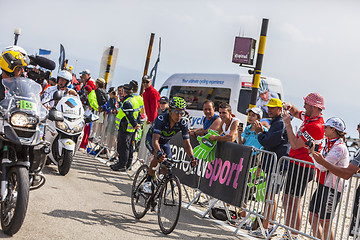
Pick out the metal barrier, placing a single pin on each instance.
(265, 197)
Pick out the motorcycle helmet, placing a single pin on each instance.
(65, 75)
(177, 102)
(9, 60)
(18, 49)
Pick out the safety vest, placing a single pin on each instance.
(93, 101)
(140, 100)
(121, 114)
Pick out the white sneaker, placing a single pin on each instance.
(147, 187)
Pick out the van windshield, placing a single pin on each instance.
(244, 100)
(195, 96)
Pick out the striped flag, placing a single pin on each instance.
(44, 52)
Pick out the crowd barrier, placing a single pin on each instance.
(254, 180)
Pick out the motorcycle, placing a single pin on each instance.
(65, 136)
(23, 150)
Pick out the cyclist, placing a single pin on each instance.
(63, 81)
(162, 130)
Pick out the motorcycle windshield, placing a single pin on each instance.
(23, 94)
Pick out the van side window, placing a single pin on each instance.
(163, 91)
(244, 100)
(195, 96)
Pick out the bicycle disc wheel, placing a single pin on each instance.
(138, 197)
(169, 204)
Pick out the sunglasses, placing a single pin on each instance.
(179, 112)
(144, 81)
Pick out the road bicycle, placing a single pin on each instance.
(165, 198)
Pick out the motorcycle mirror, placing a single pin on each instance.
(55, 115)
(57, 95)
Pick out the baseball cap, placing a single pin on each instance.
(86, 71)
(255, 110)
(127, 87)
(336, 123)
(274, 102)
(100, 80)
(316, 100)
(164, 100)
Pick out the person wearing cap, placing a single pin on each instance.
(328, 193)
(274, 140)
(163, 105)
(100, 92)
(248, 136)
(299, 174)
(210, 121)
(126, 123)
(151, 99)
(264, 96)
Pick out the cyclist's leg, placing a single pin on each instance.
(167, 150)
(154, 161)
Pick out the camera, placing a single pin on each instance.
(310, 145)
(38, 75)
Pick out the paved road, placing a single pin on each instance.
(93, 202)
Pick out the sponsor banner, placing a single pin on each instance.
(225, 178)
(182, 170)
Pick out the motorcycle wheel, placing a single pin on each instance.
(13, 209)
(65, 163)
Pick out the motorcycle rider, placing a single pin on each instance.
(63, 81)
(11, 63)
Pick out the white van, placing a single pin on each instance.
(195, 88)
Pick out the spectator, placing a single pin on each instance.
(249, 137)
(120, 90)
(151, 99)
(86, 79)
(275, 140)
(163, 105)
(112, 104)
(264, 96)
(228, 126)
(101, 95)
(328, 193)
(210, 121)
(265, 122)
(91, 96)
(300, 174)
(126, 124)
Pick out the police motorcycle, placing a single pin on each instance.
(65, 136)
(23, 151)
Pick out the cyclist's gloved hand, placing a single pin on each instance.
(161, 156)
(206, 146)
(194, 161)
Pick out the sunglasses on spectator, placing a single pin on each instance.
(145, 81)
(179, 112)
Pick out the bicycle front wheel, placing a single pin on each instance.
(138, 197)
(169, 204)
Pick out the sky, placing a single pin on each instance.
(311, 46)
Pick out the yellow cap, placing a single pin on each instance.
(274, 102)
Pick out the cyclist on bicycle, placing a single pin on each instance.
(164, 127)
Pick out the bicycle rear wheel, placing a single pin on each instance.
(169, 204)
(138, 197)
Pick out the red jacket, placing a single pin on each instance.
(151, 103)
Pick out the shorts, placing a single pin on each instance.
(324, 201)
(297, 179)
(164, 147)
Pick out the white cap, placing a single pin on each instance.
(256, 110)
(336, 123)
